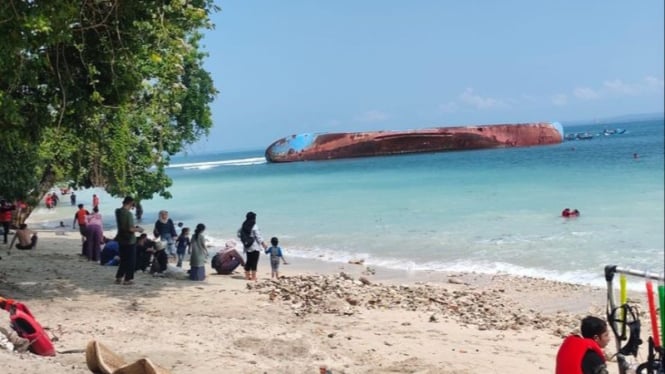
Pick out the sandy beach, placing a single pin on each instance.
(346, 317)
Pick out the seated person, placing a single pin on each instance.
(160, 259)
(109, 253)
(27, 239)
(227, 259)
(584, 354)
(144, 249)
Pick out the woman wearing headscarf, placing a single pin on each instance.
(199, 253)
(252, 241)
(94, 235)
(165, 231)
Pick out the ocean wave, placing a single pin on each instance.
(582, 277)
(213, 164)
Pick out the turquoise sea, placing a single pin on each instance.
(486, 211)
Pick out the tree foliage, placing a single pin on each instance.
(100, 93)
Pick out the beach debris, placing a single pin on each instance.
(357, 262)
(341, 294)
(456, 281)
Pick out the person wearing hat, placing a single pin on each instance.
(126, 239)
(252, 241)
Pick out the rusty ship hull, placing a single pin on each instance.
(328, 146)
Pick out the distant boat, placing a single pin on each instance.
(584, 136)
(327, 146)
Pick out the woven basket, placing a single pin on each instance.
(100, 359)
(142, 366)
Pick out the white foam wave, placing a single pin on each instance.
(212, 164)
(594, 277)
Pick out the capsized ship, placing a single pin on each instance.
(328, 146)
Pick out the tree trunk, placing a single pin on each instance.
(47, 182)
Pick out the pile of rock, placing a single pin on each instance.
(343, 295)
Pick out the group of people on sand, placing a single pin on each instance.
(138, 253)
(91, 228)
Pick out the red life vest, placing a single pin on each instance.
(27, 327)
(572, 351)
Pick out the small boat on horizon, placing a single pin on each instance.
(328, 146)
(584, 136)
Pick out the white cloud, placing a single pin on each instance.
(371, 116)
(560, 99)
(617, 88)
(479, 102)
(585, 93)
(654, 82)
(449, 107)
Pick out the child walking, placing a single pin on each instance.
(183, 245)
(275, 254)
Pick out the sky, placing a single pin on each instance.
(288, 67)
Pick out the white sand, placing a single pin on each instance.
(221, 325)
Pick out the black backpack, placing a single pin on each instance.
(246, 238)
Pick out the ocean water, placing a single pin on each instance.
(488, 211)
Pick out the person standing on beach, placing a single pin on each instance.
(94, 235)
(72, 198)
(127, 241)
(584, 354)
(80, 217)
(95, 201)
(275, 253)
(252, 241)
(6, 210)
(138, 212)
(199, 254)
(165, 231)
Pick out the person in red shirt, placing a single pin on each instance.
(6, 210)
(584, 354)
(80, 218)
